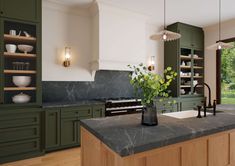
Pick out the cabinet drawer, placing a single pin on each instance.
(98, 111)
(16, 148)
(76, 112)
(16, 134)
(17, 120)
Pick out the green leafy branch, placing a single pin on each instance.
(148, 85)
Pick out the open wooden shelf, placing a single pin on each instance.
(198, 77)
(11, 38)
(185, 86)
(198, 67)
(19, 88)
(189, 67)
(185, 67)
(19, 55)
(189, 57)
(185, 76)
(19, 71)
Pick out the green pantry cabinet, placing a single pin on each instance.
(186, 57)
(21, 131)
(63, 125)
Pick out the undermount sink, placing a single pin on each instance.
(185, 114)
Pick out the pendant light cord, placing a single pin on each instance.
(219, 20)
(164, 14)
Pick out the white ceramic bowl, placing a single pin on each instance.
(21, 98)
(25, 48)
(11, 48)
(21, 81)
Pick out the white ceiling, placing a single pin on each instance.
(197, 12)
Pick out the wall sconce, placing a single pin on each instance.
(152, 64)
(67, 57)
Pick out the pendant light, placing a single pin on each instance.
(165, 35)
(220, 45)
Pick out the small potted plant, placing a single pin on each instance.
(148, 86)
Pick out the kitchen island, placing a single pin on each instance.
(123, 141)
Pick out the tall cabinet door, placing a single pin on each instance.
(52, 128)
(21, 9)
(186, 36)
(69, 130)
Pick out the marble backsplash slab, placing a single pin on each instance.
(107, 84)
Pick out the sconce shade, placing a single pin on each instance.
(67, 55)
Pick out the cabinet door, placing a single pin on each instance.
(79, 129)
(21, 9)
(98, 111)
(186, 36)
(69, 130)
(198, 39)
(52, 128)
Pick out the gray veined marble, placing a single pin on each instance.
(125, 135)
(107, 84)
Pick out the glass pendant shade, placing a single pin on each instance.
(166, 35)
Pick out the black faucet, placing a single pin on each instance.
(209, 89)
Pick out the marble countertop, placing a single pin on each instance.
(71, 104)
(125, 135)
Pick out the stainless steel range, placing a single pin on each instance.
(115, 107)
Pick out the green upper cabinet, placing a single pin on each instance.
(28, 10)
(191, 36)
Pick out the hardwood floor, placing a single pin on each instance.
(70, 157)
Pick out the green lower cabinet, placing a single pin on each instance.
(63, 125)
(166, 106)
(98, 111)
(190, 103)
(20, 134)
(69, 128)
(52, 122)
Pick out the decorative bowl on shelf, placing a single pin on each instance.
(25, 48)
(11, 48)
(21, 81)
(21, 98)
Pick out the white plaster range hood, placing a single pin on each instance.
(118, 36)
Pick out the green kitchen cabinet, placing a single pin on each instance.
(27, 10)
(52, 132)
(191, 103)
(70, 124)
(167, 105)
(186, 57)
(98, 111)
(20, 133)
(69, 131)
(191, 36)
(63, 124)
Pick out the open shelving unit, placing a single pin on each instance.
(191, 71)
(19, 63)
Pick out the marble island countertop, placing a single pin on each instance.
(71, 104)
(125, 135)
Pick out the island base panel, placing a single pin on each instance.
(213, 150)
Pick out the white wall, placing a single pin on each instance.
(211, 36)
(64, 27)
(123, 39)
